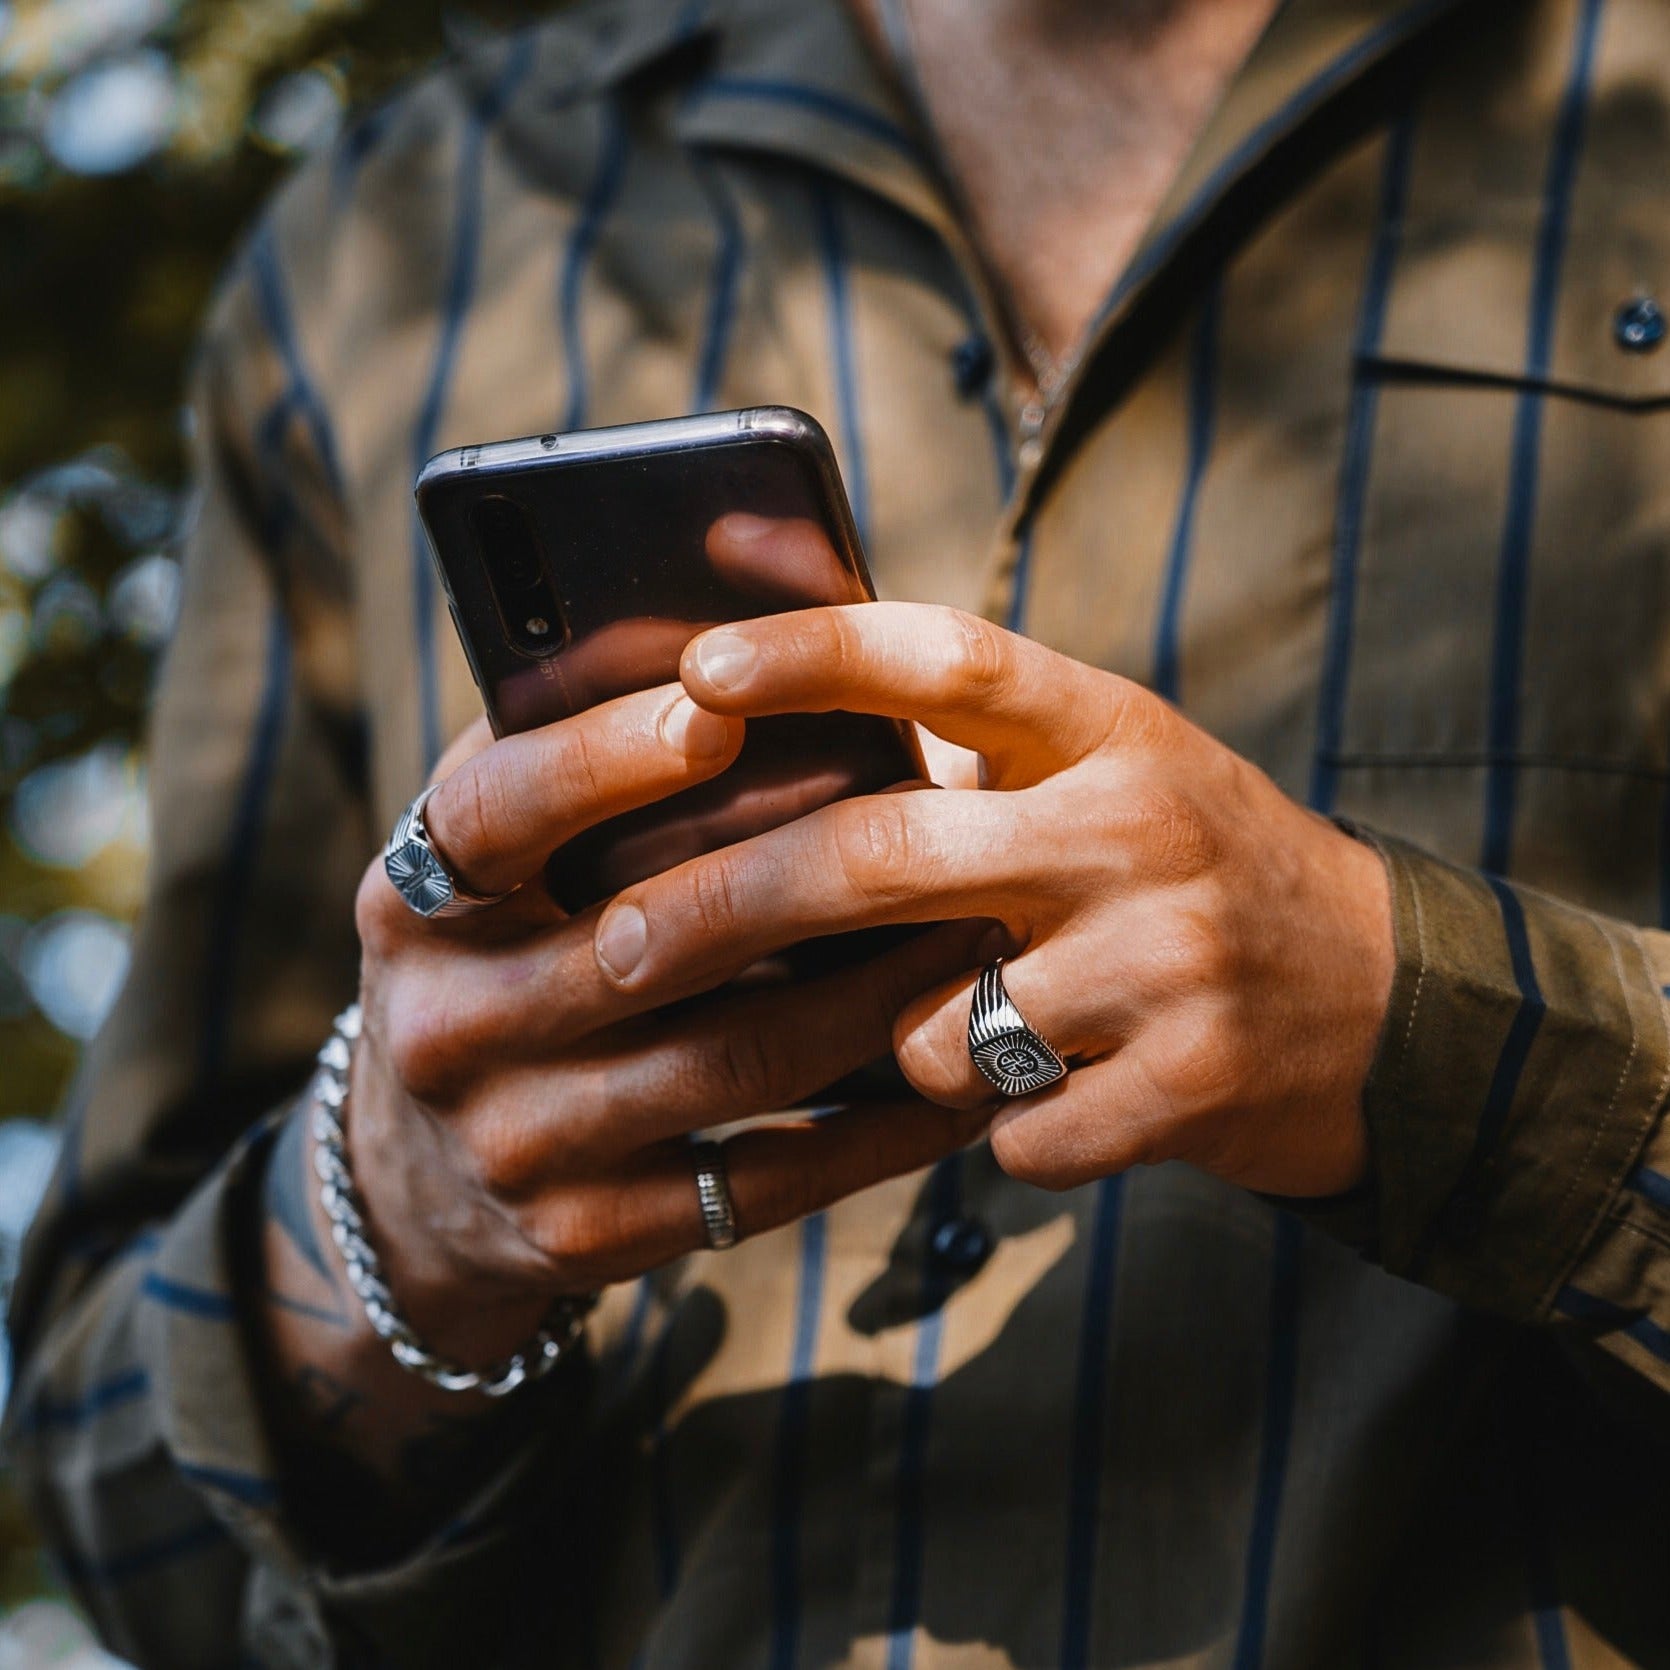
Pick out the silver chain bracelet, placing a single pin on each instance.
(563, 1323)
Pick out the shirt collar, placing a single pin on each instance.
(799, 81)
(1322, 66)
(793, 80)
(1313, 53)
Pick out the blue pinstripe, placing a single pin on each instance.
(1203, 371)
(792, 1433)
(238, 871)
(1280, 1376)
(201, 1302)
(147, 1558)
(1021, 582)
(460, 297)
(1084, 1481)
(1510, 1064)
(273, 301)
(46, 1414)
(1651, 1185)
(1513, 562)
(247, 1488)
(1587, 1307)
(860, 118)
(1354, 471)
(600, 196)
(721, 310)
(1510, 1061)
(943, 1196)
(832, 247)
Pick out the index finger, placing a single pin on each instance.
(507, 808)
(970, 682)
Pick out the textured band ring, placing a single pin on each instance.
(713, 1189)
(1010, 1055)
(419, 873)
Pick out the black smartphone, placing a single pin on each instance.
(578, 567)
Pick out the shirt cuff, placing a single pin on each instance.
(210, 1415)
(1521, 1071)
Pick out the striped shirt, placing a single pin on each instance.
(1368, 468)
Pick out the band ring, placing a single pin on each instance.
(1010, 1055)
(713, 1190)
(420, 875)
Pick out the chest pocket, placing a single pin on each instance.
(1505, 523)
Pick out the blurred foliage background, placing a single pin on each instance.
(137, 138)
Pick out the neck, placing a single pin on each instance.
(1062, 123)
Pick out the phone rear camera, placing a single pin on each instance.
(515, 565)
(507, 542)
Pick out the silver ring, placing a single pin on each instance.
(713, 1189)
(419, 873)
(1010, 1055)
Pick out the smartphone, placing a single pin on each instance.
(577, 568)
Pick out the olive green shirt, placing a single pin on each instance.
(1368, 468)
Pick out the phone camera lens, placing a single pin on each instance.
(507, 542)
(515, 565)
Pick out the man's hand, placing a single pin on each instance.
(1213, 960)
(518, 1123)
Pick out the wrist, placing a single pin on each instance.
(460, 1273)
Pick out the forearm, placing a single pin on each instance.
(387, 1456)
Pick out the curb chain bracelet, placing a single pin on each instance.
(558, 1334)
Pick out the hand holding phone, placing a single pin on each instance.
(579, 566)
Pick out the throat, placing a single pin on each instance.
(1062, 125)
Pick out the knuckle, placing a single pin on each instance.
(1197, 951)
(574, 779)
(748, 1071)
(572, 1233)
(876, 849)
(936, 1063)
(713, 895)
(377, 911)
(1136, 719)
(1033, 1154)
(1177, 842)
(421, 1048)
(439, 1032)
(506, 1158)
(473, 808)
(977, 664)
(1016, 1149)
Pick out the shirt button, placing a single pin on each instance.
(971, 365)
(960, 1246)
(1640, 325)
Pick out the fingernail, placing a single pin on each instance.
(694, 732)
(725, 659)
(621, 937)
(740, 525)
